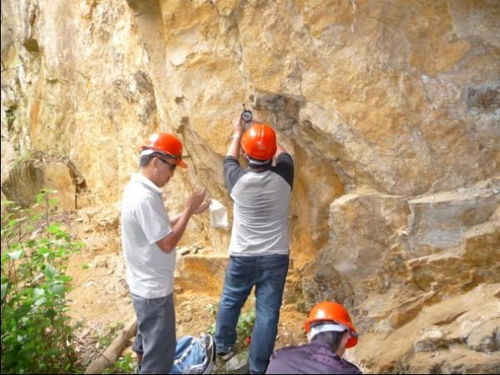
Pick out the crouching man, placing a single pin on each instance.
(329, 332)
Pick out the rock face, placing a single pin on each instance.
(391, 110)
(454, 336)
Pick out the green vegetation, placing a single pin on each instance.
(124, 365)
(244, 327)
(36, 332)
(103, 341)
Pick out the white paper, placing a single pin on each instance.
(218, 215)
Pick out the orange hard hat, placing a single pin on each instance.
(259, 141)
(167, 144)
(332, 312)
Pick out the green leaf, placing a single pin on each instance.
(12, 223)
(40, 197)
(49, 271)
(40, 301)
(38, 292)
(53, 202)
(16, 254)
(57, 288)
(78, 246)
(43, 251)
(20, 338)
(54, 228)
(65, 278)
(44, 241)
(58, 232)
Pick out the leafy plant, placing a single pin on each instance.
(103, 341)
(212, 309)
(36, 332)
(244, 327)
(124, 365)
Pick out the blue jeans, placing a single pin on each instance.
(268, 274)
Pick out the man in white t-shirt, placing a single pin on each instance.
(149, 238)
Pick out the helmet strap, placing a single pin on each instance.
(149, 151)
(327, 327)
(257, 163)
(146, 151)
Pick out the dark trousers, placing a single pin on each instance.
(155, 339)
(268, 274)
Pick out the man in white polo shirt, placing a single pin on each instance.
(149, 238)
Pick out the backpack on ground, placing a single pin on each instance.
(194, 355)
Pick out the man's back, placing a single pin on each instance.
(261, 202)
(314, 358)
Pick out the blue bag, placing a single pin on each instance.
(194, 355)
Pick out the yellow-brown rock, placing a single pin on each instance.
(391, 110)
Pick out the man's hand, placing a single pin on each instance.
(234, 147)
(195, 201)
(204, 206)
(238, 126)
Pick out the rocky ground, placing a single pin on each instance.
(437, 329)
(100, 304)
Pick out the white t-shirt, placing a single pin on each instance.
(260, 211)
(144, 221)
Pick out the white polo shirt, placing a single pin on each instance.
(144, 221)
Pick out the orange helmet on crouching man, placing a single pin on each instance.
(334, 317)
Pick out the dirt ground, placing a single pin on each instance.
(99, 303)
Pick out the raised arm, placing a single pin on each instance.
(234, 146)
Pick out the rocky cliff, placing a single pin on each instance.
(391, 109)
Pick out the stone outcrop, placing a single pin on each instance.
(391, 110)
(459, 335)
(403, 260)
(38, 170)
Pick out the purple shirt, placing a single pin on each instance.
(314, 358)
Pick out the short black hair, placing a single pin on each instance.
(257, 164)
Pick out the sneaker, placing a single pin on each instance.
(226, 356)
(137, 369)
(209, 345)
